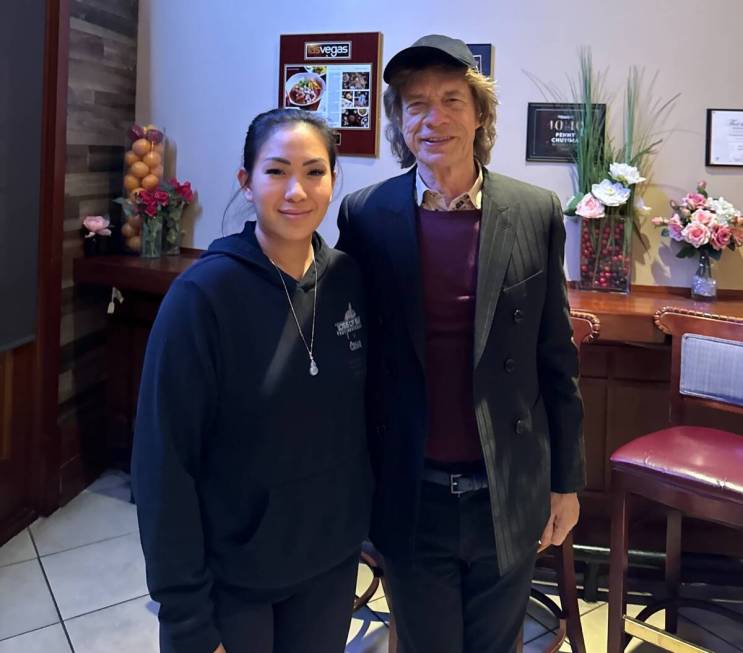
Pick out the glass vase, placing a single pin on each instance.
(703, 284)
(172, 231)
(605, 256)
(152, 237)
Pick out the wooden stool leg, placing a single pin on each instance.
(618, 569)
(673, 566)
(566, 585)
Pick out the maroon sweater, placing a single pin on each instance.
(448, 243)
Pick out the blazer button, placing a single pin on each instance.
(509, 365)
(518, 315)
(520, 427)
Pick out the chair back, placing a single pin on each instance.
(706, 360)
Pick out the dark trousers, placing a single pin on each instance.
(450, 598)
(313, 617)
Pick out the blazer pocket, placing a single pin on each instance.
(522, 283)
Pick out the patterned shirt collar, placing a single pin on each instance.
(432, 200)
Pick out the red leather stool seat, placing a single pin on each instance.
(707, 460)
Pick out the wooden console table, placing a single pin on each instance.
(624, 378)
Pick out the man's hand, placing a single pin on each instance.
(564, 512)
(220, 649)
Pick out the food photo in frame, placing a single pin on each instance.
(338, 77)
(552, 130)
(724, 137)
(484, 54)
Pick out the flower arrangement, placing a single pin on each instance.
(159, 212)
(609, 177)
(704, 225)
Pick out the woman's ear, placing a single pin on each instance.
(244, 180)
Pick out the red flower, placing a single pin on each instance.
(184, 190)
(161, 197)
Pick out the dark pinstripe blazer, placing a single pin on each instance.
(529, 412)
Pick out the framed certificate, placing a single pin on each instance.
(724, 137)
(338, 77)
(552, 130)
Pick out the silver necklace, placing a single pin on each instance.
(313, 365)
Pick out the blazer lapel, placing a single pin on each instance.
(402, 245)
(496, 242)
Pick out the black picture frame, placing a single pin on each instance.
(720, 138)
(551, 130)
(484, 54)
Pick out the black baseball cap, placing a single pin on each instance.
(430, 50)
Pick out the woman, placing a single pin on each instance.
(250, 468)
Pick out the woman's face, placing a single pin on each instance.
(291, 183)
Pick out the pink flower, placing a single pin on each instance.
(675, 228)
(702, 217)
(161, 197)
(721, 236)
(97, 225)
(696, 234)
(659, 221)
(590, 207)
(694, 200)
(738, 236)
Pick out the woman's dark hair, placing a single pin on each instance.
(265, 124)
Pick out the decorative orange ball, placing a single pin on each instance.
(134, 193)
(157, 171)
(160, 148)
(130, 158)
(150, 182)
(152, 159)
(135, 222)
(139, 169)
(134, 243)
(127, 231)
(141, 147)
(130, 182)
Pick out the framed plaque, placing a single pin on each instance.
(484, 54)
(338, 77)
(552, 130)
(724, 137)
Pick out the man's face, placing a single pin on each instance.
(439, 119)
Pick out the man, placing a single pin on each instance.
(474, 411)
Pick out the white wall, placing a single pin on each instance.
(206, 68)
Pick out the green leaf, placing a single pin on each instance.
(664, 232)
(715, 254)
(686, 251)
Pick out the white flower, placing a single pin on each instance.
(625, 173)
(610, 194)
(724, 209)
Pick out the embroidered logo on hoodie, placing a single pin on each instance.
(348, 327)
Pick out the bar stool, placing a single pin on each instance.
(585, 328)
(690, 470)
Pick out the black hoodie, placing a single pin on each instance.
(247, 471)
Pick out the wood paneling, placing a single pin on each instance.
(100, 108)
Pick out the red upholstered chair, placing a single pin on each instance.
(585, 329)
(690, 470)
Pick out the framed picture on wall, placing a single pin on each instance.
(724, 137)
(338, 77)
(484, 54)
(552, 130)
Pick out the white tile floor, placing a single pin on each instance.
(74, 583)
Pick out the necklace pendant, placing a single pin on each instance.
(313, 368)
